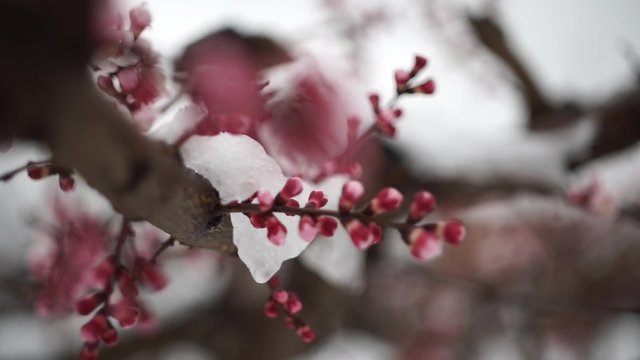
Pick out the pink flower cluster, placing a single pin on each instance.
(288, 303)
(127, 66)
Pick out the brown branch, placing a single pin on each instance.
(10, 174)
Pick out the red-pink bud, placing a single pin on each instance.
(306, 334)
(93, 329)
(140, 19)
(420, 63)
(327, 225)
(353, 123)
(265, 200)
(388, 199)
(102, 273)
(66, 183)
(276, 232)
(293, 305)
(352, 191)
(428, 87)
(271, 309)
(307, 227)
(125, 312)
(153, 276)
(374, 99)
(354, 170)
(452, 231)
(362, 235)
(89, 352)
(274, 282)
(109, 336)
(280, 296)
(86, 305)
(423, 203)
(424, 244)
(127, 285)
(128, 78)
(317, 199)
(38, 172)
(402, 78)
(293, 187)
(259, 221)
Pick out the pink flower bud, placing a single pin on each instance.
(423, 203)
(292, 203)
(259, 221)
(293, 305)
(306, 334)
(86, 305)
(153, 276)
(280, 296)
(424, 244)
(66, 183)
(127, 285)
(354, 170)
(362, 235)
(353, 123)
(125, 312)
(274, 282)
(452, 231)
(276, 232)
(265, 200)
(140, 19)
(420, 63)
(317, 199)
(307, 227)
(89, 352)
(402, 78)
(271, 309)
(109, 336)
(374, 99)
(102, 273)
(428, 87)
(93, 329)
(388, 199)
(327, 225)
(293, 187)
(352, 191)
(38, 172)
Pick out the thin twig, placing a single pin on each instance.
(164, 246)
(10, 174)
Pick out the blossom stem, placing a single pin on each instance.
(10, 174)
(164, 246)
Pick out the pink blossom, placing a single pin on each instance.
(352, 191)
(423, 203)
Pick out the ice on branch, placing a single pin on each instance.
(238, 166)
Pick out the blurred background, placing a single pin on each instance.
(530, 139)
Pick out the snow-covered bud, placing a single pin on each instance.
(327, 225)
(428, 87)
(265, 200)
(293, 187)
(387, 200)
(424, 244)
(352, 191)
(317, 199)
(307, 227)
(128, 78)
(451, 231)
(276, 232)
(140, 18)
(419, 64)
(86, 305)
(423, 203)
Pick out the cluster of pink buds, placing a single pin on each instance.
(363, 224)
(65, 177)
(128, 68)
(109, 275)
(288, 303)
(593, 197)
